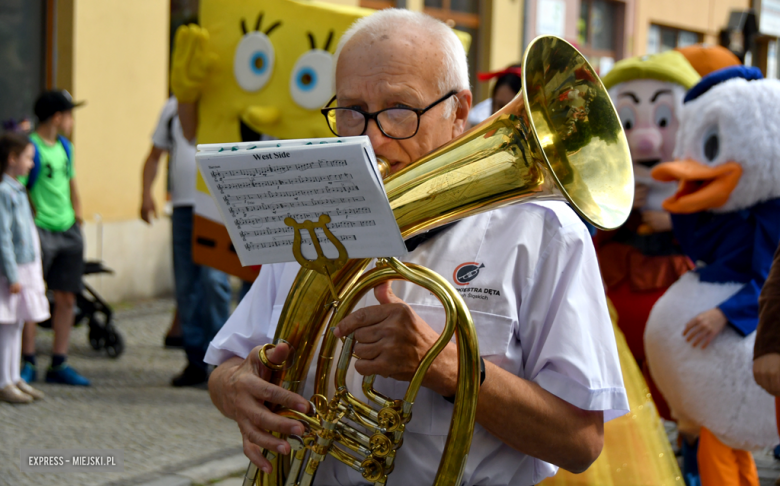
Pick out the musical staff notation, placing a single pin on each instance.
(299, 193)
(278, 243)
(256, 188)
(288, 230)
(299, 216)
(220, 175)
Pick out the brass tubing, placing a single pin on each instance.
(373, 395)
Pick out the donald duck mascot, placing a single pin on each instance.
(726, 216)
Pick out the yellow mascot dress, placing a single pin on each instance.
(636, 449)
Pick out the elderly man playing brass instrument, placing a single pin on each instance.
(552, 376)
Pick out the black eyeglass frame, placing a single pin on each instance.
(373, 116)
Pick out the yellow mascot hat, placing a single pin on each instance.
(669, 66)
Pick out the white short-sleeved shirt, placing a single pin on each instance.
(529, 276)
(169, 136)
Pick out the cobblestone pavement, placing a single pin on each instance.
(130, 406)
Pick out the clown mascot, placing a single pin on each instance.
(726, 215)
(640, 260)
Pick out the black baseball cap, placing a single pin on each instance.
(51, 102)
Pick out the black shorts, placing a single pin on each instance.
(62, 258)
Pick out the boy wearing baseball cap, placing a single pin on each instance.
(52, 188)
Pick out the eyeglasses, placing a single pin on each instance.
(398, 123)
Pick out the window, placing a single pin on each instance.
(600, 32)
(23, 35)
(660, 39)
(462, 15)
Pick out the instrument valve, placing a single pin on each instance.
(372, 470)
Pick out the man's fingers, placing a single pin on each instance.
(370, 334)
(367, 367)
(269, 421)
(367, 316)
(277, 395)
(367, 351)
(384, 294)
(264, 439)
(279, 354)
(255, 454)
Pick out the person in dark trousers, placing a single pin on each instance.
(203, 294)
(55, 200)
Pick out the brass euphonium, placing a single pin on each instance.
(560, 138)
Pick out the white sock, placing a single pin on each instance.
(16, 358)
(10, 353)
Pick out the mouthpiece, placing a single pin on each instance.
(384, 167)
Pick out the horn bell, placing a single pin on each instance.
(560, 138)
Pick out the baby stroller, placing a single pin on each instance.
(90, 306)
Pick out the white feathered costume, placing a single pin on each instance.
(728, 215)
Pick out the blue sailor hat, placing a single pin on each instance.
(721, 75)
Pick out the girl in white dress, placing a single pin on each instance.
(22, 292)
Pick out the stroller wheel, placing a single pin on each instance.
(114, 343)
(97, 336)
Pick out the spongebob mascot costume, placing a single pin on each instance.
(256, 70)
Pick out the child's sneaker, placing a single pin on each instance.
(29, 374)
(65, 375)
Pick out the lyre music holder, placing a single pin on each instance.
(322, 264)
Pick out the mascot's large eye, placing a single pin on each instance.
(627, 117)
(254, 61)
(311, 82)
(663, 116)
(711, 144)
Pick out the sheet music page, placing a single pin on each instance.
(258, 185)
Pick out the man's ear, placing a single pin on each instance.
(461, 112)
(56, 119)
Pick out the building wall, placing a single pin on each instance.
(706, 17)
(114, 55)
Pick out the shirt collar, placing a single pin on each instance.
(14, 183)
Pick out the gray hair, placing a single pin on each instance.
(456, 68)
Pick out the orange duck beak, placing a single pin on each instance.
(701, 187)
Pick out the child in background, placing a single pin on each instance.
(22, 292)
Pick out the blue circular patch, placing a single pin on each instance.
(306, 79)
(258, 63)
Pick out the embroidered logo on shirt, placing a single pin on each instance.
(466, 272)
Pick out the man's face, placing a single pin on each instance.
(399, 70)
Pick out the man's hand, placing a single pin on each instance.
(244, 394)
(148, 209)
(766, 371)
(191, 63)
(658, 221)
(15, 288)
(391, 340)
(703, 328)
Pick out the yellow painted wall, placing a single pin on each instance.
(506, 33)
(120, 63)
(353, 3)
(703, 16)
